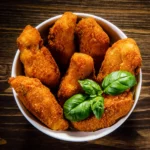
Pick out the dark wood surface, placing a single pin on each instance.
(132, 16)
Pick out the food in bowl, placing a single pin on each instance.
(81, 67)
(38, 99)
(61, 39)
(122, 55)
(36, 58)
(112, 104)
(93, 40)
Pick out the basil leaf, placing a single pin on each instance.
(117, 82)
(97, 106)
(77, 108)
(90, 87)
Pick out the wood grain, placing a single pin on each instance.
(131, 16)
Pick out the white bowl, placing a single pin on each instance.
(76, 136)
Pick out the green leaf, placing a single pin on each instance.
(97, 106)
(117, 82)
(77, 108)
(90, 87)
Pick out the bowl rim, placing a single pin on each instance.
(67, 135)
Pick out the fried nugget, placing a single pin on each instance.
(123, 55)
(81, 67)
(61, 39)
(37, 59)
(92, 40)
(115, 108)
(38, 99)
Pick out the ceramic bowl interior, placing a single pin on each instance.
(75, 136)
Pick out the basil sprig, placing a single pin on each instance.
(117, 82)
(80, 106)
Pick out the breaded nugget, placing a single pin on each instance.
(38, 99)
(81, 67)
(92, 39)
(115, 108)
(61, 39)
(123, 55)
(37, 59)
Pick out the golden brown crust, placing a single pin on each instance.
(81, 67)
(92, 39)
(61, 39)
(123, 55)
(38, 99)
(38, 61)
(115, 108)
(29, 39)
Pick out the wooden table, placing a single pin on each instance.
(132, 16)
